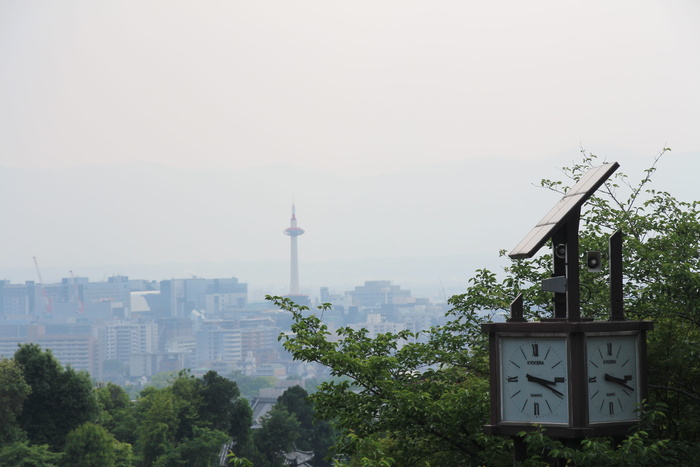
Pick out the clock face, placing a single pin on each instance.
(613, 386)
(534, 379)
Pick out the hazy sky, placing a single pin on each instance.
(357, 91)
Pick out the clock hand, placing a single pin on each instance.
(536, 379)
(545, 383)
(620, 381)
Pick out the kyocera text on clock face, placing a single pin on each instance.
(534, 379)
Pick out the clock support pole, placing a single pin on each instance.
(617, 312)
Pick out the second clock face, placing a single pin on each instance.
(613, 386)
(534, 379)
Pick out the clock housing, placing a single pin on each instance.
(512, 344)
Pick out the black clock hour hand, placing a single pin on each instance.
(536, 379)
(545, 383)
(620, 381)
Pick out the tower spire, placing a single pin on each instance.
(293, 232)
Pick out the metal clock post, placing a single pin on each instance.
(574, 376)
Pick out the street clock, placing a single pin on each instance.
(576, 379)
(574, 376)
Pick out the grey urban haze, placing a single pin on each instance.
(169, 139)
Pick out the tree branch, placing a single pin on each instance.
(678, 390)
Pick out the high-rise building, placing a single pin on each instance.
(293, 232)
(180, 296)
(120, 341)
(378, 293)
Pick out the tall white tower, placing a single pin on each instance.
(293, 231)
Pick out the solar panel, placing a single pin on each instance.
(562, 211)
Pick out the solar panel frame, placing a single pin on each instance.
(563, 210)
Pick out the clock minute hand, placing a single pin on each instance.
(545, 383)
(620, 381)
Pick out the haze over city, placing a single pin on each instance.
(160, 140)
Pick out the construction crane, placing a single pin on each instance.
(47, 301)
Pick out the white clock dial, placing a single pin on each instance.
(534, 379)
(613, 386)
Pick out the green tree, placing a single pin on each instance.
(241, 419)
(279, 430)
(202, 450)
(188, 401)
(662, 283)
(240, 428)
(123, 454)
(22, 454)
(14, 390)
(314, 435)
(219, 398)
(430, 398)
(61, 399)
(156, 432)
(189, 421)
(117, 412)
(89, 445)
(423, 397)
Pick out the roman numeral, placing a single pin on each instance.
(609, 344)
(512, 379)
(612, 408)
(536, 408)
(535, 350)
(592, 379)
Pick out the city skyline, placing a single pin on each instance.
(166, 142)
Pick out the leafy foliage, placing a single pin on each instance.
(185, 422)
(116, 412)
(61, 399)
(430, 402)
(14, 390)
(89, 445)
(314, 435)
(22, 454)
(277, 435)
(188, 421)
(421, 398)
(201, 450)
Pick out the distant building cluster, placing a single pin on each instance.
(126, 331)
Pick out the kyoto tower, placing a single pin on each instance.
(293, 231)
